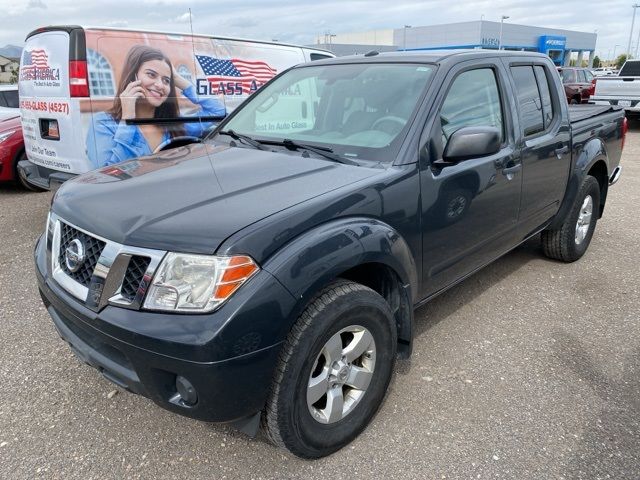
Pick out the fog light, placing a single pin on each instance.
(187, 391)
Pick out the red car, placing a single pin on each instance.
(11, 149)
(579, 83)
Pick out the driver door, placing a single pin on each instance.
(469, 208)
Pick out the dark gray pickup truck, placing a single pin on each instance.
(268, 275)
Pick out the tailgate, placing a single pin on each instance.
(618, 88)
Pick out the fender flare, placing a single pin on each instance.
(592, 152)
(310, 261)
(317, 256)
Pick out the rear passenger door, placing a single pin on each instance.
(543, 138)
(470, 208)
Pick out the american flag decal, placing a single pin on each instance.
(34, 65)
(36, 58)
(251, 74)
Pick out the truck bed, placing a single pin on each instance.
(578, 113)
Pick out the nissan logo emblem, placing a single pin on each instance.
(74, 255)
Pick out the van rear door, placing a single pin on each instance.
(50, 117)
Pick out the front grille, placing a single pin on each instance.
(93, 249)
(132, 279)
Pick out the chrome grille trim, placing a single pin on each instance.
(109, 272)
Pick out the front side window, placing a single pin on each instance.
(358, 110)
(100, 75)
(473, 100)
(529, 101)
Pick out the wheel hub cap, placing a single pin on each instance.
(584, 220)
(341, 374)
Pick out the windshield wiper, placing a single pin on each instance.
(245, 138)
(326, 152)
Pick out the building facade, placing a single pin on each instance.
(557, 43)
(7, 67)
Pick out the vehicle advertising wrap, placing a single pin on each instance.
(135, 76)
(44, 101)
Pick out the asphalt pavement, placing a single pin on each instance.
(529, 369)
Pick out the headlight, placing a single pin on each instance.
(5, 135)
(197, 283)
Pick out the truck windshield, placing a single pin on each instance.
(359, 111)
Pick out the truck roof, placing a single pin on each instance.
(431, 56)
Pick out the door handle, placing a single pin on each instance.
(512, 170)
(561, 151)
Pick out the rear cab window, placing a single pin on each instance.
(631, 69)
(568, 76)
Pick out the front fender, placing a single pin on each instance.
(321, 254)
(592, 152)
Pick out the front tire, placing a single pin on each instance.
(333, 371)
(570, 241)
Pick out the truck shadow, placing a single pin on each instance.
(445, 305)
(634, 122)
(610, 439)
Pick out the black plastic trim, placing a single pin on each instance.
(77, 39)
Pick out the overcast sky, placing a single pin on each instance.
(300, 22)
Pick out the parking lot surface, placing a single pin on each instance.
(528, 369)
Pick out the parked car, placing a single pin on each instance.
(9, 103)
(579, 84)
(622, 90)
(603, 72)
(11, 149)
(268, 275)
(77, 110)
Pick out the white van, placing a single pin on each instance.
(85, 93)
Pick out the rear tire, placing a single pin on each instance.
(570, 241)
(302, 414)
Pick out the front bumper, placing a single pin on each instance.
(228, 389)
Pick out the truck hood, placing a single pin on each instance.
(192, 198)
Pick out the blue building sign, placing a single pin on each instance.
(554, 46)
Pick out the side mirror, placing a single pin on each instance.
(472, 142)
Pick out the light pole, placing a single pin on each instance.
(404, 39)
(614, 51)
(633, 21)
(502, 19)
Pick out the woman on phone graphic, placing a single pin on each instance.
(147, 89)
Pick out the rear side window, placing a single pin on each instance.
(529, 101)
(12, 98)
(545, 95)
(588, 75)
(473, 100)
